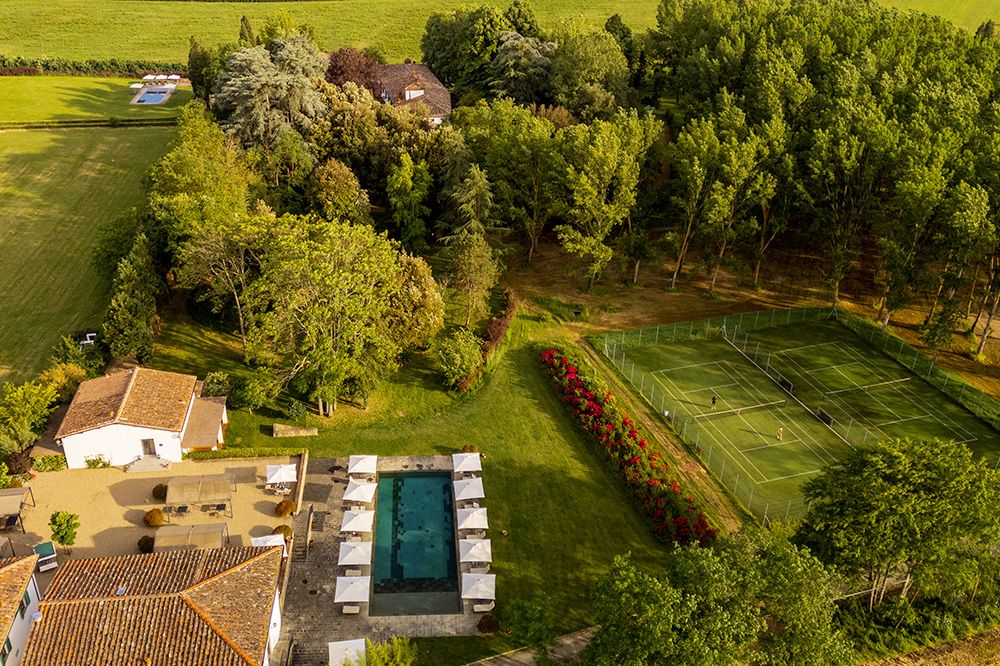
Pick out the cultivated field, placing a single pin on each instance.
(36, 98)
(788, 401)
(160, 30)
(56, 187)
(968, 14)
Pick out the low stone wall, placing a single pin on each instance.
(282, 430)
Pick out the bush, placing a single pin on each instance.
(296, 410)
(459, 356)
(160, 491)
(154, 518)
(284, 508)
(469, 448)
(488, 624)
(146, 544)
(253, 393)
(217, 384)
(97, 462)
(283, 530)
(65, 377)
(49, 463)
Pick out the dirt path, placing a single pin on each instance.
(566, 649)
(981, 650)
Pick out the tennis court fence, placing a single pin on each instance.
(616, 346)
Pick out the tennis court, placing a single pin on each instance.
(789, 401)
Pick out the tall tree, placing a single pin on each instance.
(589, 71)
(416, 310)
(695, 158)
(522, 19)
(459, 46)
(408, 187)
(475, 271)
(335, 193)
(350, 64)
(129, 325)
(604, 160)
(521, 69)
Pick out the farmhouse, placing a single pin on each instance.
(411, 84)
(217, 606)
(19, 597)
(137, 413)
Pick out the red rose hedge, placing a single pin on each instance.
(674, 515)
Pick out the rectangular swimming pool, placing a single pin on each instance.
(153, 96)
(415, 571)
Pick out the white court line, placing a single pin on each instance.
(683, 367)
(709, 388)
(813, 346)
(792, 476)
(777, 443)
(911, 418)
(833, 367)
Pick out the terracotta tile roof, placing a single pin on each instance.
(205, 607)
(397, 78)
(15, 574)
(139, 396)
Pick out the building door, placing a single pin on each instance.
(148, 447)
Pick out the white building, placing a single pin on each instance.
(19, 597)
(214, 606)
(139, 413)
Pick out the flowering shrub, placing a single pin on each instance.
(674, 515)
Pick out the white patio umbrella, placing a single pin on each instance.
(174, 77)
(355, 553)
(357, 521)
(469, 489)
(135, 85)
(475, 550)
(171, 86)
(271, 540)
(149, 77)
(161, 77)
(281, 474)
(474, 586)
(473, 519)
(362, 464)
(346, 652)
(353, 589)
(360, 491)
(466, 462)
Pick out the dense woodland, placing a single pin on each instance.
(328, 229)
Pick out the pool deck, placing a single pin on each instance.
(310, 618)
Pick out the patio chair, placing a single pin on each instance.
(352, 610)
(354, 572)
(484, 608)
(181, 510)
(480, 570)
(10, 523)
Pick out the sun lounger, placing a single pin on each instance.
(352, 610)
(484, 608)
(480, 570)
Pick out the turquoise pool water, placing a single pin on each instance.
(415, 570)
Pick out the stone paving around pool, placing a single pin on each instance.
(310, 618)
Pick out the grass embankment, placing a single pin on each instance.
(57, 98)
(56, 187)
(159, 31)
(567, 514)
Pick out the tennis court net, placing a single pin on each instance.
(739, 410)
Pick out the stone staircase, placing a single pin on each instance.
(148, 464)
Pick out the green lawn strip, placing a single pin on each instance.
(55, 98)
(459, 650)
(148, 29)
(567, 514)
(56, 187)
(968, 14)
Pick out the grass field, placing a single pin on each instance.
(864, 395)
(34, 98)
(160, 30)
(539, 473)
(56, 187)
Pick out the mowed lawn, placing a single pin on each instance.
(36, 98)
(160, 30)
(56, 187)
(567, 514)
(969, 14)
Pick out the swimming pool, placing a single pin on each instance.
(415, 571)
(153, 96)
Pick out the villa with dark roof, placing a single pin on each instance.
(413, 84)
(217, 607)
(140, 413)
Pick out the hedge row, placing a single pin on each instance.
(673, 513)
(20, 66)
(495, 334)
(244, 452)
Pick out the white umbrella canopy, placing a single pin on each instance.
(474, 586)
(281, 474)
(161, 77)
(357, 521)
(174, 77)
(360, 491)
(270, 540)
(469, 489)
(473, 519)
(362, 464)
(149, 77)
(346, 652)
(353, 589)
(467, 462)
(170, 85)
(475, 550)
(355, 553)
(135, 85)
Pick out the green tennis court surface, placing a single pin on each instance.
(789, 400)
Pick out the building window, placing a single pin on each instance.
(413, 94)
(25, 600)
(4, 651)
